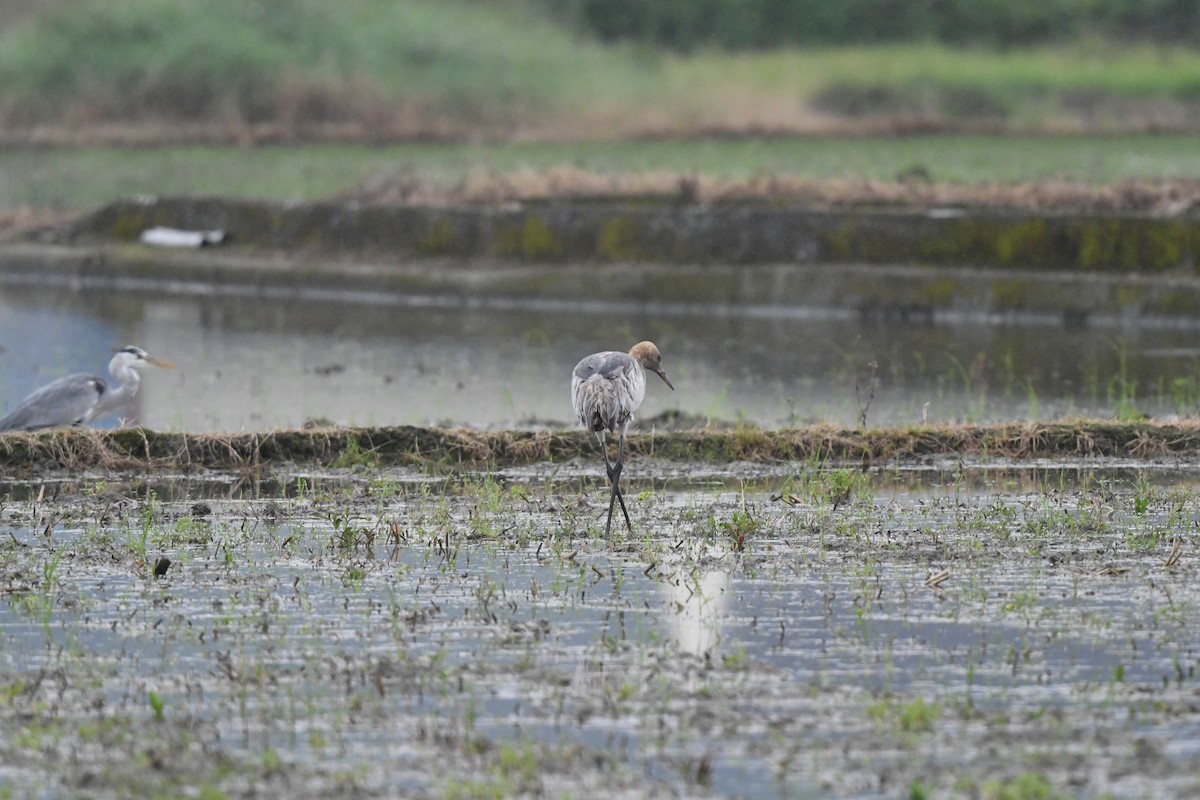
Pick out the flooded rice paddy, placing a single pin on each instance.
(987, 630)
(256, 363)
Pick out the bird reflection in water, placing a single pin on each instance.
(696, 600)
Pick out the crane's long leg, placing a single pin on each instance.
(614, 477)
(616, 482)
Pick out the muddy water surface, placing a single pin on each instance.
(256, 364)
(981, 631)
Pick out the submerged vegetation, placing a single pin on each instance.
(816, 631)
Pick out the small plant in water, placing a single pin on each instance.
(1122, 389)
(974, 383)
(158, 704)
(835, 486)
(1143, 493)
(1028, 786)
(1185, 394)
(741, 524)
(41, 602)
(872, 380)
(915, 716)
(736, 661)
(353, 455)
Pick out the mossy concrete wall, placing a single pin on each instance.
(868, 291)
(743, 233)
(1077, 270)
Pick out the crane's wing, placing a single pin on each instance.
(610, 366)
(66, 401)
(601, 390)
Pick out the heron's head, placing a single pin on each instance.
(646, 354)
(137, 357)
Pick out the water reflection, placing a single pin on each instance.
(250, 363)
(696, 609)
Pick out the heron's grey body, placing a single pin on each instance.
(606, 389)
(80, 398)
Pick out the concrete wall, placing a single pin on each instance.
(1096, 270)
(627, 232)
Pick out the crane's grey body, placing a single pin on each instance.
(80, 398)
(606, 389)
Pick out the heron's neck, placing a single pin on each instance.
(124, 386)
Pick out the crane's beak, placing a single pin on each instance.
(158, 362)
(663, 374)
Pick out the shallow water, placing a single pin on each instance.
(377, 627)
(255, 363)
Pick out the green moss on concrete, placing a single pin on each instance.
(982, 241)
(1130, 244)
(1016, 243)
(1179, 302)
(940, 292)
(439, 241)
(1011, 294)
(1125, 244)
(1129, 296)
(128, 224)
(853, 241)
(532, 240)
(620, 239)
(913, 239)
(1166, 245)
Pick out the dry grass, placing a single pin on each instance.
(19, 222)
(23, 454)
(1157, 197)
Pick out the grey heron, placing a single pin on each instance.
(82, 397)
(606, 388)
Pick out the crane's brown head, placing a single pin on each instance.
(646, 354)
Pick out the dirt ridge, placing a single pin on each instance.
(140, 449)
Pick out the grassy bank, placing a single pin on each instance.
(76, 179)
(234, 71)
(139, 449)
(415, 65)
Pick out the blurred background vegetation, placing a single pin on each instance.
(385, 69)
(482, 98)
(741, 24)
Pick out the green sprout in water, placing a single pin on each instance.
(158, 704)
(740, 525)
(1122, 388)
(1027, 786)
(915, 716)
